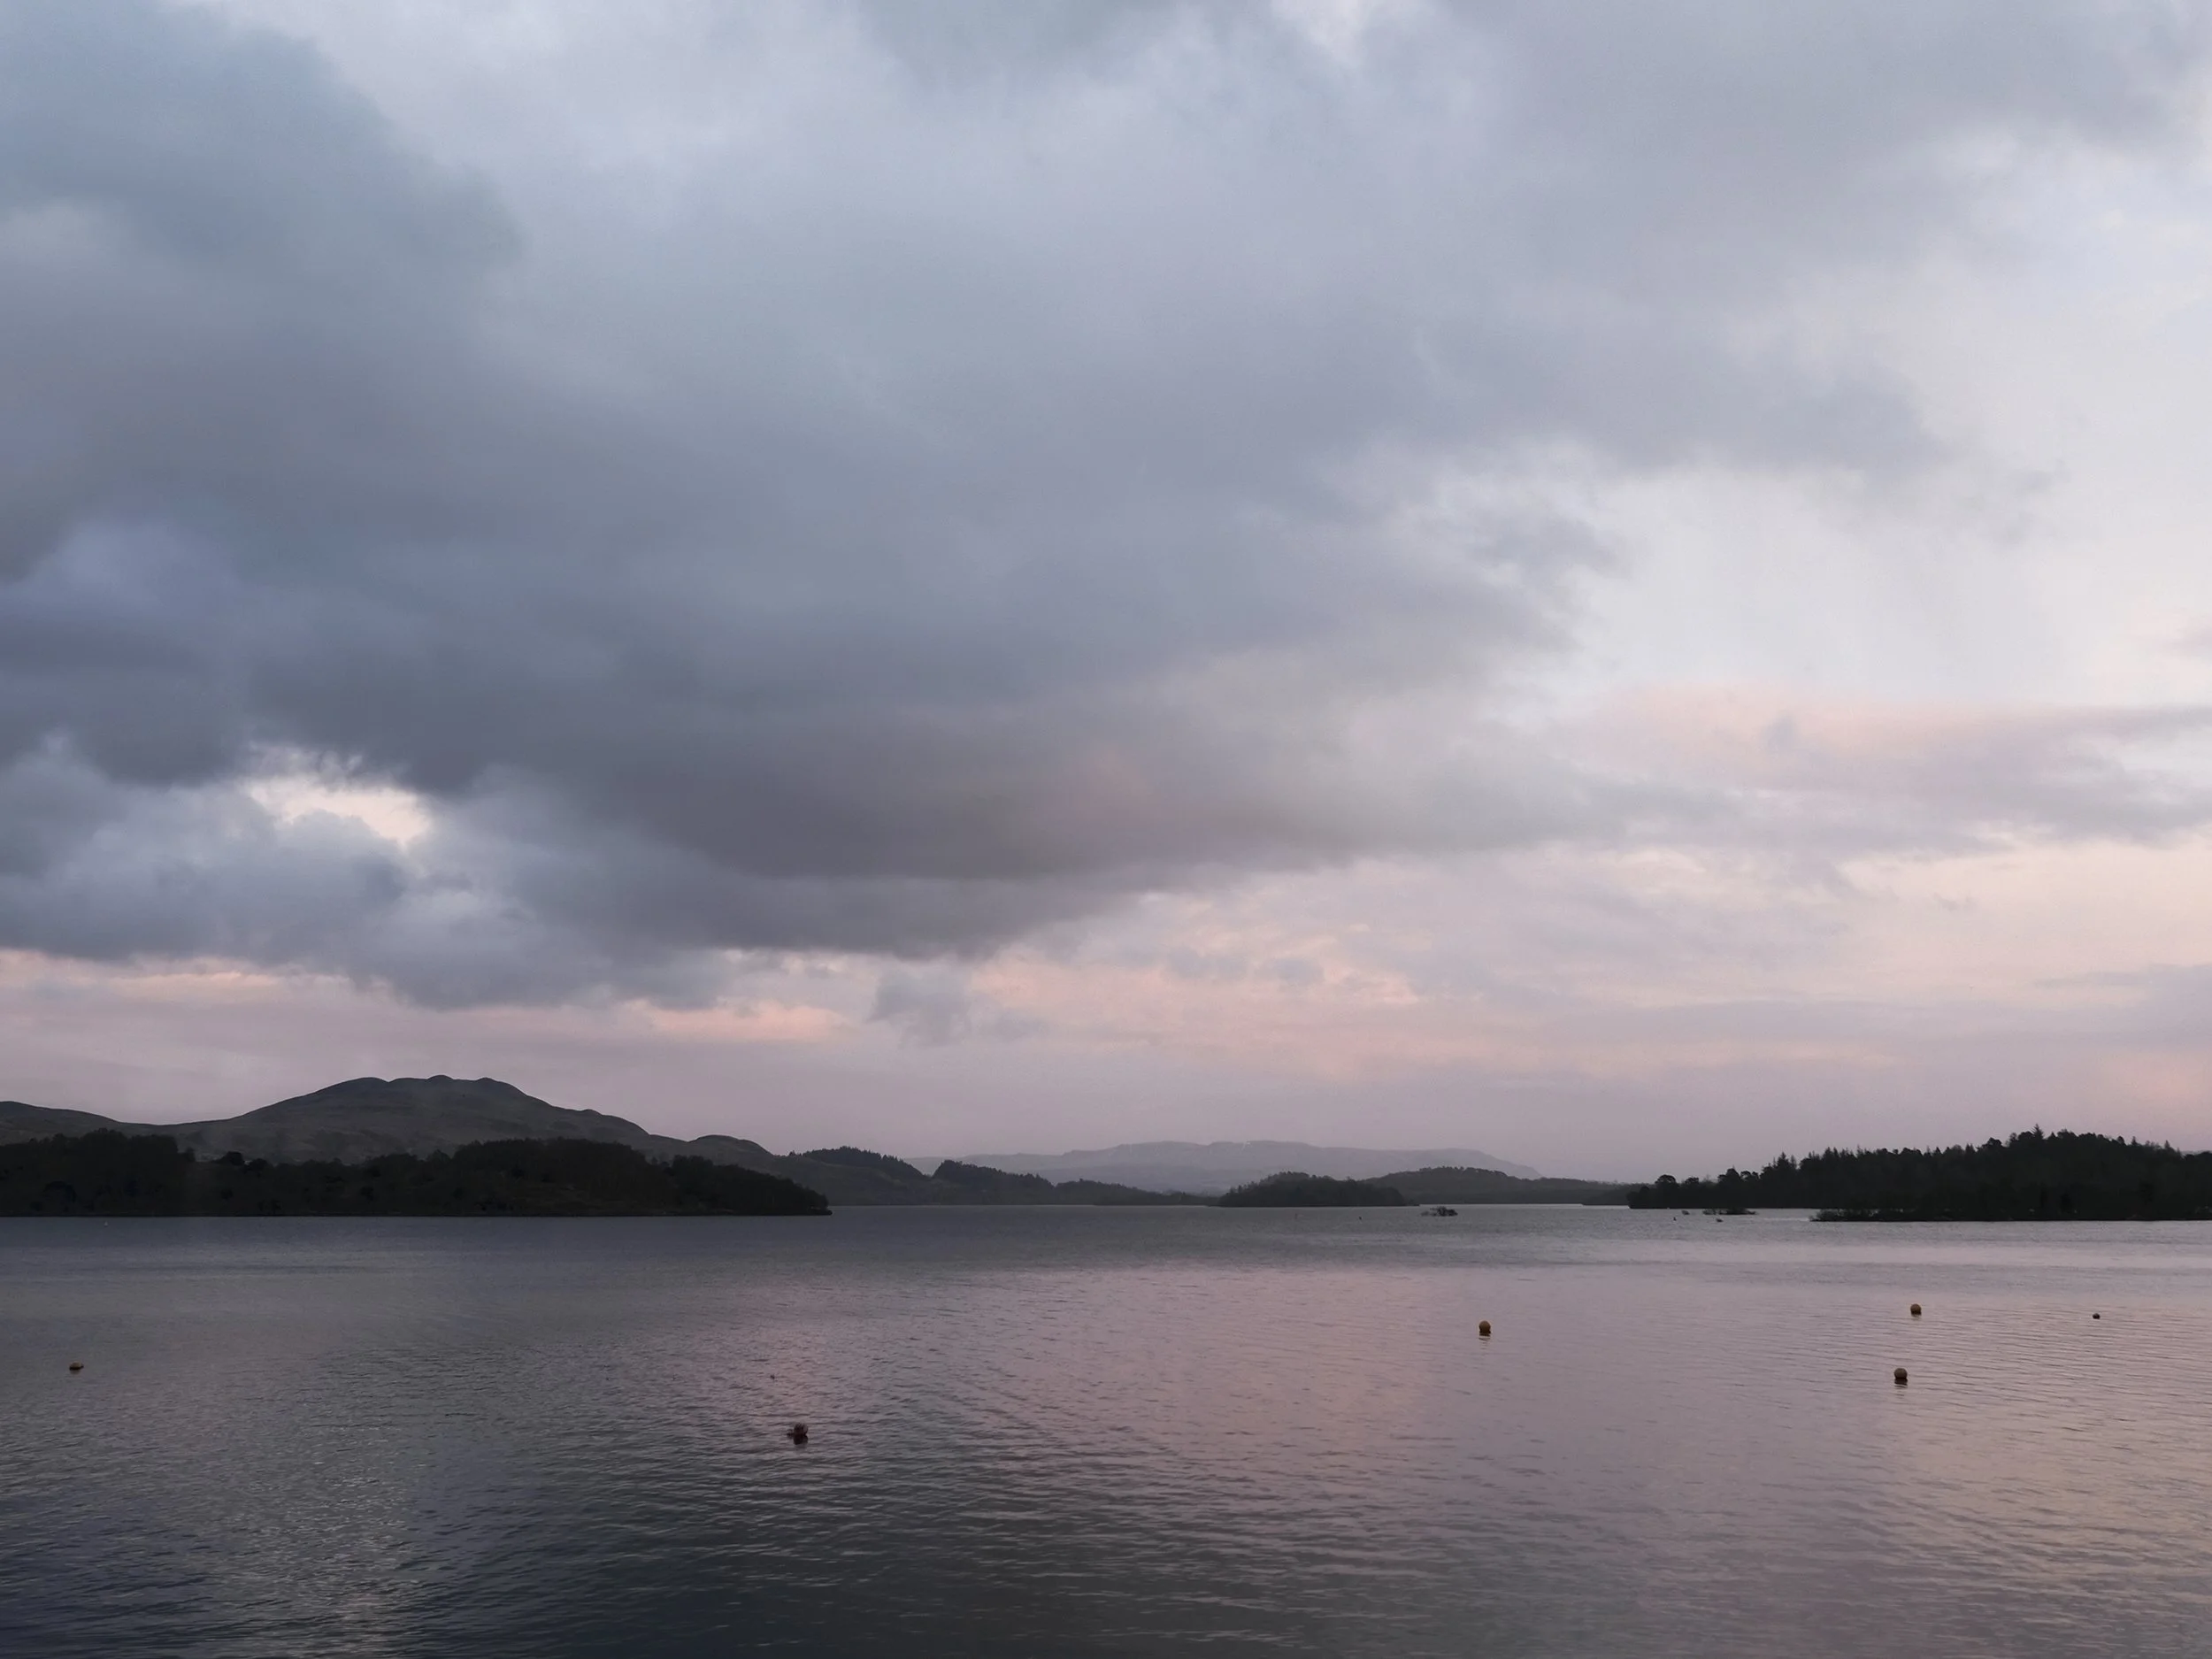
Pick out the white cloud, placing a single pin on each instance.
(1052, 493)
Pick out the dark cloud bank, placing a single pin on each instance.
(1003, 479)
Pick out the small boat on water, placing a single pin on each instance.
(1440, 1210)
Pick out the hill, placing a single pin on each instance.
(19, 1121)
(2032, 1177)
(1190, 1166)
(372, 1117)
(367, 1118)
(109, 1173)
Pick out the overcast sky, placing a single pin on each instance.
(1624, 583)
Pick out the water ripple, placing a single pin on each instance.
(1103, 1433)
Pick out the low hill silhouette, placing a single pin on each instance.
(1214, 1166)
(370, 1117)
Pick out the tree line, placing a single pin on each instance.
(109, 1173)
(2033, 1176)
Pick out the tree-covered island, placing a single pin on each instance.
(1293, 1189)
(2061, 1175)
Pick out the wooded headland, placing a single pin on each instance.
(2033, 1176)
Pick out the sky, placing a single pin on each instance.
(1623, 584)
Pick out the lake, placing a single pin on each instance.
(1041, 1430)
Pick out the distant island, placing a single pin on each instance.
(109, 1173)
(2033, 1176)
(1293, 1189)
(1458, 1186)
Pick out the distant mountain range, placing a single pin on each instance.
(1214, 1166)
(371, 1117)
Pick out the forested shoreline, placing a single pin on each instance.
(107, 1173)
(2033, 1176)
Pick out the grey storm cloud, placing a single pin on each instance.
(981, 474)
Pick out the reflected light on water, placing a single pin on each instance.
(1109, 1432)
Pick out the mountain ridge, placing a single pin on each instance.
(368, 1117)
(1214, 1166)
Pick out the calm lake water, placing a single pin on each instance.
(1105, 1432)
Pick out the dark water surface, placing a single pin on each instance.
(1105, 1432)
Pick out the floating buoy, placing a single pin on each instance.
(1483, 1329)
(2093, 1316)
(1915, 1311)
(1901, 1376)
(78, 1364)
(797, 1433)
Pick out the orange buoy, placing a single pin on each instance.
(1483, 1329)
(797, 1433)
(1901, 1376)
(1915, 1311)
